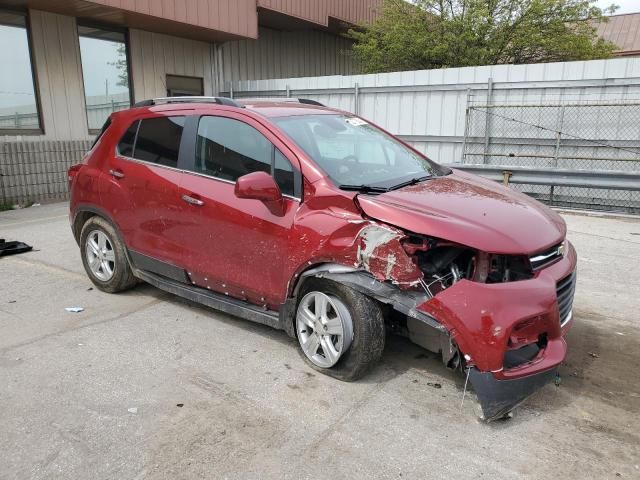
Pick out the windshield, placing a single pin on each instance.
(355, 154)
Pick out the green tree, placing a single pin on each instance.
(121, 64)
(456, 33)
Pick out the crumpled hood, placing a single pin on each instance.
(469, 210)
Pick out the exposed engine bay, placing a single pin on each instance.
(444, 263)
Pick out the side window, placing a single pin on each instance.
(158, 140)
(283, 174)
(228, 149)
(125, 147)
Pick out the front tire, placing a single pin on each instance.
(340, 331)
(104, 257)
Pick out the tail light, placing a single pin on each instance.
(71, 174)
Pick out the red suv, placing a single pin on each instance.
(317, 222)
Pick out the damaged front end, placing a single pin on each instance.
(499, 318)
(507, 314)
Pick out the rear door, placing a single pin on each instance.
(238, 246)
(143, 193)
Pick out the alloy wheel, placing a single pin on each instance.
(324, 328)
(100, 255)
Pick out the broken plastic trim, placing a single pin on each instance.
(499, 397)
(13, 247)
(404, 301)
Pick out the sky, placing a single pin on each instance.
(626, 6)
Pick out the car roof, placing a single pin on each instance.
(265, 107)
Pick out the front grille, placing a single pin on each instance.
(547, 257)
(565, 290)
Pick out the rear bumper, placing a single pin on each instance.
(488, 320)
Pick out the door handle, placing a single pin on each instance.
(192, 201)
(116, 173)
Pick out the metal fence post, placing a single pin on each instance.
(554, 162)
(288, 92)
(231, 89)
(466, 125)
(487, 122)
(356, 99)
(3, 156)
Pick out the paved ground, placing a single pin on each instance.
(97, 394)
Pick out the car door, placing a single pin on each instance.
(238, 246)
(143, 193)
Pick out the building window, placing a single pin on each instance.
(180, 86)
(105, 70)
(18, 101)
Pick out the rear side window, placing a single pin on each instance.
(158, 140)
(228, 149)
(125, 147)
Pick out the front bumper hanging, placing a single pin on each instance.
(498, 397)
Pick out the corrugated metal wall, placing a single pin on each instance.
(427, 107)
(154, 55)
(319, 11)
(285, 54)
(56, 54)
(234, 16)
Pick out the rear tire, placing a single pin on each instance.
(104, 257)
(361, 319)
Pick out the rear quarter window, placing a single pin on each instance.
(125, 146)
(104, 128)
(158, 140)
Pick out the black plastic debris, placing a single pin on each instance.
(13, 247)
(498, 397)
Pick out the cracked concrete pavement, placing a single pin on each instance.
(145, 385)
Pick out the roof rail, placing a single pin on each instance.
(306, 101)
(188, 99)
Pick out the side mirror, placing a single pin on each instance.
(261, 186)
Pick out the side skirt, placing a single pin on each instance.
(211, 299)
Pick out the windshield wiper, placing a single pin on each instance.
(364, 188)
(413, 181)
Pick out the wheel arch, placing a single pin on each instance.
(85, 212)
(313, 270)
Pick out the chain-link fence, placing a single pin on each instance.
(559, 133)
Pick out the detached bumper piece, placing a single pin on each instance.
(498, 397)
(12, 248)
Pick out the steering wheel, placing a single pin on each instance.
(351, 158)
